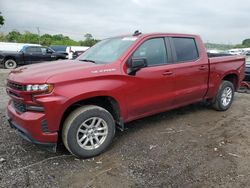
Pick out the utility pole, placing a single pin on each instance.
(38, 31)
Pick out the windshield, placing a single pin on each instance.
(108, 50)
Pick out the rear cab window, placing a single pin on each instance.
(185, 49)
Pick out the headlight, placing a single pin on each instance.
(47, 88)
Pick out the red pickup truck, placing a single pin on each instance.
(120, 79)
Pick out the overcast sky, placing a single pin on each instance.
(220, 21)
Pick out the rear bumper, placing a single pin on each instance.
(29, 125)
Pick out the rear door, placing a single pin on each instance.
(191, 70)
(151, 88)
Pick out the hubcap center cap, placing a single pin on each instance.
(90, 131)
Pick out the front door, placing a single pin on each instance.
(151, 88)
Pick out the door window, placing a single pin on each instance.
(31, 49)
(34, 50)
(44, 50)
(153, 50)
(185, 49)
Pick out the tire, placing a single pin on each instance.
(224, 97)
(77, 126)
(10, 64)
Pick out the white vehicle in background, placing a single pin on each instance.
(235, 51)
(239, 51)
(71, 51)
(14, 47)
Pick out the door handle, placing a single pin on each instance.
(167, 73)
(202, 67)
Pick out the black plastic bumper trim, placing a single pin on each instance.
(25, 135)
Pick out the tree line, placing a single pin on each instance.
(46, 39)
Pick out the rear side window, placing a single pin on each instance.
(185, 48)
(30, 49)
(33, 50)
(38, 50)
(153, 50)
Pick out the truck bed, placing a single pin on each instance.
(224, 65)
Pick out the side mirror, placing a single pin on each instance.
(136, 64)
(49, 51)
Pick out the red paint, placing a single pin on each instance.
(151, 90)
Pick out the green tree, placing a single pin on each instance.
(13, 36)
(1, 19)
(89, 40)
(3, 38)
(88, 36)
(246, 43)
(46, 39)
(29, 37)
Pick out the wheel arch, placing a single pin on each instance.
(10, 57)
(233, 78)
(106, 102)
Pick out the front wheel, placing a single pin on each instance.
(88, 131)
(224, 97)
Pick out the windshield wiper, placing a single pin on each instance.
(87, 60)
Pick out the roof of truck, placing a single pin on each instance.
(157, 34)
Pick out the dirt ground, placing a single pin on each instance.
(189, 147)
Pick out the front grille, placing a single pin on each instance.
(14, 94)
(16, 86)
(19, 106)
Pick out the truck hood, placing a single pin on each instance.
(41, 72)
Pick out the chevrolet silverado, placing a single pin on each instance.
(81, 102)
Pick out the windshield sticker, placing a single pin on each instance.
(129, 38)
(104, 70)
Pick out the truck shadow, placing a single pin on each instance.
(163, 117)
(149, 122)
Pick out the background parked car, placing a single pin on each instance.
(29, 55)
(69, 50)
(77, 53)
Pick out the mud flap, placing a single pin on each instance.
(244, 87)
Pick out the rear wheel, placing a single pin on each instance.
(224, 97)
(88, 131)
(10, 64)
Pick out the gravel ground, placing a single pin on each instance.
(192, 146)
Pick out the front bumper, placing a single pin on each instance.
(1, 62)
(29, 125)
